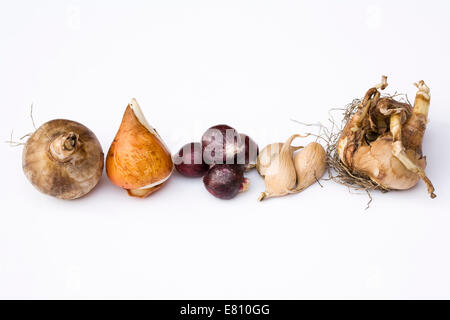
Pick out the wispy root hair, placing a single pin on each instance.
(329, 135)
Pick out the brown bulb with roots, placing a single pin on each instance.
(383, 140)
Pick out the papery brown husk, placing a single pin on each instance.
(63, 173)
(138, 158)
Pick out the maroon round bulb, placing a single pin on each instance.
(220, 144)
(189, 160)
(225, 181)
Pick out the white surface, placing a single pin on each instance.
(193, 64)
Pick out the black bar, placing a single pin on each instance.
(227, 309)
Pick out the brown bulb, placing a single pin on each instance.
(63, 159)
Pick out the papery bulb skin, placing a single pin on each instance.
(377, 162)
(310, 164)
(63, 159)
(382, 141)
(280, 177)
(138, 160)
(269, 154)
(413, 130)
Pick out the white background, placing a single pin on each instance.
(192, 64)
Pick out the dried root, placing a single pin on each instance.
(13, 143)
(337, 171)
